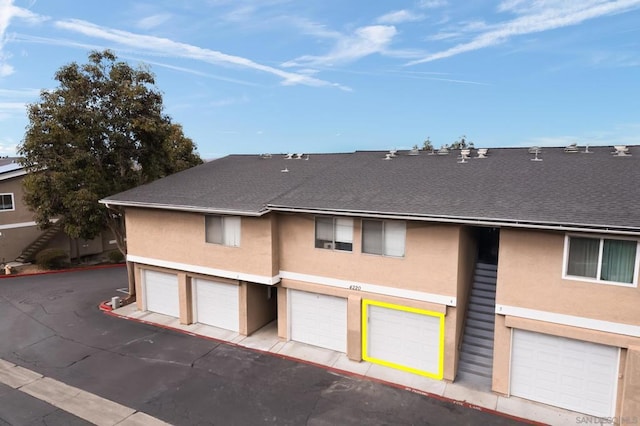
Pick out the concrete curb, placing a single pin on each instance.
(465, 404)
(62, 271)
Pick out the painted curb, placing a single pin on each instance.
(332, 369)
(62, 271)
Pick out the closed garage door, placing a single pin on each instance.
(404, 338)
(216, 304)
(572, 374)
(161, 293)
(318, 320)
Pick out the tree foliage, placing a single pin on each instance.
(100, 132)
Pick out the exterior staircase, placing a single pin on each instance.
(40, 243)
(476, 355)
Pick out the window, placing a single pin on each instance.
(6, 202)
(223, 230)
(383, 237)
(602, 259)
(334, 233)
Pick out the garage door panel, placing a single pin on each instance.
(161, 293)
(568, 373)
(217, 304)
(403, 338)
(318, 320)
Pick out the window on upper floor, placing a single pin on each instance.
(383, 237)
(334, 233)
(606, 260)
(223, 230)
(6, 202)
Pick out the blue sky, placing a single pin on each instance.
(253, 76)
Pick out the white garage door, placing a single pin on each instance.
(318, 320)
(161, 293)
(572, 374)
(410, 340)
(216, 304)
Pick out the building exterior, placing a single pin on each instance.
(20, 237)
(511, 266)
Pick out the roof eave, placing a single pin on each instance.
(192, 209)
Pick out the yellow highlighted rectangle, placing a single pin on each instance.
(440, 340)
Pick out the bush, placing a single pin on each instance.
(115, 256)
(52, 258)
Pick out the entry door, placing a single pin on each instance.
(318, 320)
(216, 304)
(571, 374)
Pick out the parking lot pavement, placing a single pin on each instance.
(51, 324)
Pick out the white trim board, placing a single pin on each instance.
(371, 288)
(261, 279)
(22, 224)
(570, 320)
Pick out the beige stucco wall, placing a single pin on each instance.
(180, 237)
(430, 263)
(21, 213)
(530, 276)
(630, 401)
(258, 305)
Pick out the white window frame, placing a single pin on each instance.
(384, 222)
(565, 260)
(13, 202)
(225, 221)
(333, 242)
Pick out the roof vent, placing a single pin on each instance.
(571, 148)
(482, 153)
(414, 151)
(586, 150)
(388, 156)
(443, 151)
(535, 150)
(621, 151)
(464, 155)
(299, 156)
(288, 156)
(265, 156)
(393, 153)
(285, 170)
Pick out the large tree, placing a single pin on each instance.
(101, 131)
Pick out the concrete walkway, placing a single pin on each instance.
(266, 340)
(85, 405)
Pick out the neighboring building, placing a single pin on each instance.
(514, 266)
(20, 237)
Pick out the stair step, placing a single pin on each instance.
(479, 333)
(485, 342)
(485, 309)
(482, 325)
(487, 266)
(483, 301)
(483, 293)
(476, 360)
(475, 381)
(486, 273)
(481, 316)
(478, 350)
(484, 286)
(473, 369)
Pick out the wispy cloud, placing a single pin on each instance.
(167, 47)
(619, 134)
(311, 28)
(432, 4)
(535, 17)
(153, 21)
(8, 147)
(229, 101)
(398, 17)
(8, 12)
(364, 41)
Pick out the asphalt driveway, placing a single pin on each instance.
(51, 324)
